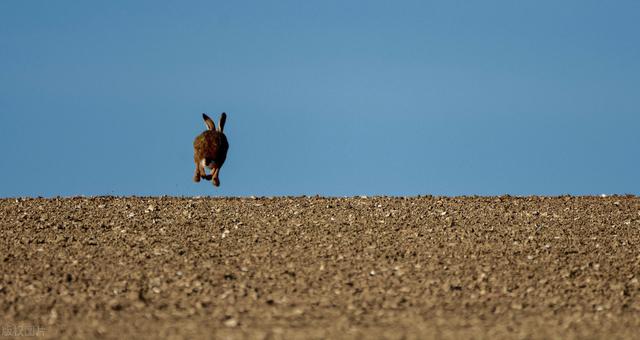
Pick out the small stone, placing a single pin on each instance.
(53, 317)
(450, 222)
(231, 322)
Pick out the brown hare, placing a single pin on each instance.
(210, 150)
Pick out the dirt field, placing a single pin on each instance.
(270, 268)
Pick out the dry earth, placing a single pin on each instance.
(310, 267)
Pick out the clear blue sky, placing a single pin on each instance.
(324, 97)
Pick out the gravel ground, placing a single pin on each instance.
(312, 267)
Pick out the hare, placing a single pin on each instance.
(210, 150)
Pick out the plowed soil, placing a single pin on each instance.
(311, 267)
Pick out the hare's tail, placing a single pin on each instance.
(209, 163)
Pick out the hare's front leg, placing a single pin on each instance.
(196, 176)
(203, 170)
(216, 180)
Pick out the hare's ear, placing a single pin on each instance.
(210, 124)
(223, 119)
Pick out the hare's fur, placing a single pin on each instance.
(210, 150)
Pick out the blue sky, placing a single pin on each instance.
(323, 97)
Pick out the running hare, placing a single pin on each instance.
(210, 150)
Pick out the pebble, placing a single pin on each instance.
(231, 322)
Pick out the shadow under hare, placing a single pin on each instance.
(210, 150)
